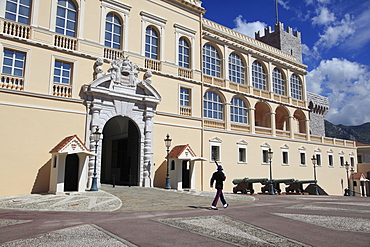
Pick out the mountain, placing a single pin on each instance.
(360, 133)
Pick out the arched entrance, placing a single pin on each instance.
(71, 173)
(120, 154)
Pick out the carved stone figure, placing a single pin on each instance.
(98, 71)
(148, 77)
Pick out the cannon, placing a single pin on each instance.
(297, 185)
(276, 183)
(245, 185)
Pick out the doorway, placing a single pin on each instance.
(121, 149)
(71, 173)
(185, 174)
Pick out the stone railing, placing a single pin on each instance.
(240, 127)
(283, 133)
(214, 124)
(62, 90)
(248, 40)
(185, 110)
(239, 87)
(15, 29)
(12, 82)
(112, 54)
(65, 42)
(214, 81)
(300, 136)
(281, 98)
(263, 131)
(187, 73)
(152, 64)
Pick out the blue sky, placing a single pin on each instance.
(335, 41)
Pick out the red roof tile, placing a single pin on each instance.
(64, 142)
(177, 151)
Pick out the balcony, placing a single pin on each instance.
(185, 110)
(65, 42)
(62, 90)
(15, 29)
(187, 73)
(12, 82)
(112, 54)
(214, 124)
(153, 64)
(214, 81)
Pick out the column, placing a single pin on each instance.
(273, 123)
(147, 167)
(252, 120)
(95, 120)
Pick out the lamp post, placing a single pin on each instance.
(347, 191)
(167, 143)
(95, 138)
(314, 174)
(271, 187)
(353, 188)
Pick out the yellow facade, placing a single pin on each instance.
(38, 111)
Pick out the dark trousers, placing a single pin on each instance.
(220, 195)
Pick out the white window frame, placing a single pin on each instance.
(352, 160)
(118, 8)
(234, 115)
(217, 72)
(17, 13)
(148, 19)
(242, 145)
(259, 78)
(302, 150)
(73, 73)
(215, 142)
(284, 150)
(242, 71)
(330, 158)
(189, 34)
(265, 148)
(342, 160)
(296, 87)
(317, 155)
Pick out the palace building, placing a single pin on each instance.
(140, 72)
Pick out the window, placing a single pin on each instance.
(331, 160)
(18, 11)
(151, 43)
(184, 53)
(242, 155)
(278, 82)
(211, 61)
(296, 87)
(352, 161)
(184, 96)
(113, 30)
(238, 111)
(236, 69)
(341, 160)
(213, 106)
(215, 153)
(303, 158)
(66, 18)
(172, 165)
(62, 72)
(318, 159)
(285, 158)
(359, 158)
(265, 159)
(258, 76)
(13, 63)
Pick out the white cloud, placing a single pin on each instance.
(362, 32)
(336, 34)
(324, 17)
(249, 28)
(347, 86)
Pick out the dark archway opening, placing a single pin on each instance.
(121, 149)
(71, 173)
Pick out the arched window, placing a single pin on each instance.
(18, 10)
(151, 43)
(66, 18)
(213, 106)
(184, 53)
(236, 69)
(258, 76)
(278, 82)
(113, 30)
(238, 111)
(296, 87)
(211, 61)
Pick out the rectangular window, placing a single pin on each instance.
(352, 160)
(265, 158)
(341, 161)
(13, 62)
(215, 153)
(359, 158)
(242, 155)
(184, 96)
(318, 159)
(303, 159)
(285, 158)
(18, 10)
(62, 72)
(331, 160)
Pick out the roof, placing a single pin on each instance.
(178, 150)
(68, 140)
(358, 176)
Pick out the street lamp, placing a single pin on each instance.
(353, 188)
(167, 143)
(347, 191)
(271, 187)
(314, 174)
(95, 138)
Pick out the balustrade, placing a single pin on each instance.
(16, 29)
(65, 42)
(187, 73)
(62, 90)
(12, 82)
(112, 54)
(153, 64)
(186, 111)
